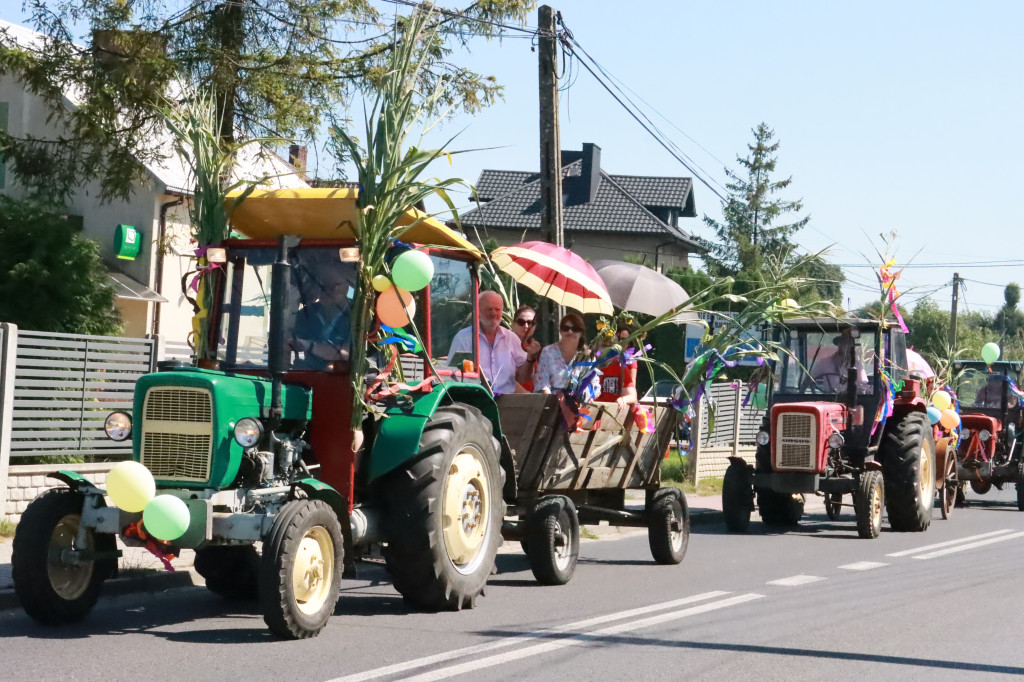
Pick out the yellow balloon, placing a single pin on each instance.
(941, 400)
(949, 419)
(130, 486)
(380, 283)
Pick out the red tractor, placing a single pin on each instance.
(989, 451)
(840, 422)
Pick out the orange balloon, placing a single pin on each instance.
(949, 419)
(396, 307)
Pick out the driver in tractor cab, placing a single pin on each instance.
(322, 328)
(991, 394)
(831, 372)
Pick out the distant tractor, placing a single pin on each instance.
(820, 434)
(990, 450)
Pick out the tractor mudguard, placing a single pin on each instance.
(398, 439)
(318, 490)
(72, 479)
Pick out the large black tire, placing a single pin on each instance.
(737, 497)
(1020, 487)
(457, 474)
(231, 572)
(780, 509)
(867, 504)
(833, 505)
(908, 469)
(552, 540)
(300, 572)
(668, 525)
(53, 592)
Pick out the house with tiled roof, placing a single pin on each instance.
(605, 216)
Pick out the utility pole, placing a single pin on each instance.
(952, 314)
(550, 153)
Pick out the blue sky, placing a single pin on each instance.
(899, 115)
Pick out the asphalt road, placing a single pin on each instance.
(812, 603)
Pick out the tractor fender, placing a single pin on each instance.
(71, 479)
(398, 437)
(318, 490)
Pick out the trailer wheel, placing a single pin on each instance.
(231, 572)
(981, 487)
(737, 497)
(443, 512)
(553, 540)
(300, 572)
(833, 505)
(908, 471)
(950, 485)
(780, 509)
(52, 588)
(668, 525)
(867, 504)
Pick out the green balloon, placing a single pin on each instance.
(990, 352)
(412, 270)
(166, 517)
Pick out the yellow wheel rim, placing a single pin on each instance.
(876, 504)
(467, 510)
(69, 581)
(313, 570)
(926, 474)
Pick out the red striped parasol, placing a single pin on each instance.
(555, 273)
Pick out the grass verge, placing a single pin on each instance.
(7, 528)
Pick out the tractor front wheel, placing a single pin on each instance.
(867, 504)
(443, 512)
(833, 505)
(780, 509)
(300, 572)
(908, 470)
(737, 497)
(981, 487)
(231, 572)
(55, 578)
(553, 540)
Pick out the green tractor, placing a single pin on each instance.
(258, 446)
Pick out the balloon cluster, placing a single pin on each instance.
(941, 411)
(411, 270)
(131, 487)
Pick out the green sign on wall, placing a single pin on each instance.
(126, 242)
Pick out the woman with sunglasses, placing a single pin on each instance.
(524, 324)
(553, 367)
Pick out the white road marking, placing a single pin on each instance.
(578, 639)
(863, 565)
(512, 641)
(948, 543)
(973, 545)
(795, 580)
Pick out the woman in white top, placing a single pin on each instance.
(552, 371)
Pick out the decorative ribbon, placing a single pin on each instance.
(408, 342)
(153, 546)
(888, 279)
(200, 255)
(886, 406)
(715, 362)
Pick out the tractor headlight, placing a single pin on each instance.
(984, 435)
(762, 438)
(836, 440)
(248, 432)
(965, 435)
(118, 426)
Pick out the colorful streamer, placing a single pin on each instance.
(888, 279)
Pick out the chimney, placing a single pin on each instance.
(297, 158)
(591, 170)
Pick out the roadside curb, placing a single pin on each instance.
(149, 583)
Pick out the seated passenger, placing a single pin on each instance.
(502, 358)
(555, 361)
(618, 381)
(991, 394)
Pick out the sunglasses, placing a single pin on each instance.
(569, 329)
(525, 323)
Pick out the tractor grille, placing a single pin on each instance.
(177, 433)
(794, 444)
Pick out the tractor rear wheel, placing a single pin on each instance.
(737, 497)
(867, 504)
(231, 572)
(553, 540)
(908, 470)
(53, 584)
(780, 509)
(668, 525)
(443, 512)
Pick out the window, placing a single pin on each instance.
(3, 128)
